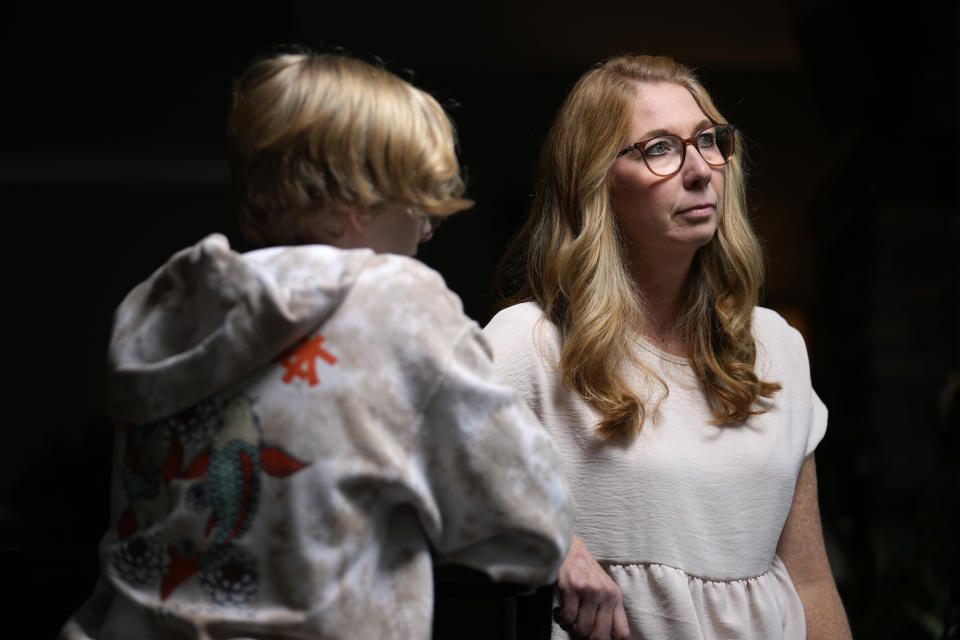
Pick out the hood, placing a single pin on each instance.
(211, 316)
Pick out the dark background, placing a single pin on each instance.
(112, 158)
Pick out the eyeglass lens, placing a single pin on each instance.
(664, 154)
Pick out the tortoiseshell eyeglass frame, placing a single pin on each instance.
(692, 140)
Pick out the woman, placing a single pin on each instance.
(683, 411)
(300, 429)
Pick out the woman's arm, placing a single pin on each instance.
(802, 550)
(591, 605)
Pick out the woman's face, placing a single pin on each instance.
(663, 218)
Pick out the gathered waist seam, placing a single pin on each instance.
(608, 563)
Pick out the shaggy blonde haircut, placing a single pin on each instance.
(575, 266)
(310, 135)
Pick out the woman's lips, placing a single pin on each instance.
(698, 211)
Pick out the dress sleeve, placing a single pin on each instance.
(818, 421)
(502, 504)
(816, 410)
(524, 346)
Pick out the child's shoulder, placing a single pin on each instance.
(407, 281)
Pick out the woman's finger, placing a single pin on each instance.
(602, 623)
(620, 629)
(586, 618)
(566, 613)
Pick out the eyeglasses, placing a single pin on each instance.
(664, 155)
(428, 223)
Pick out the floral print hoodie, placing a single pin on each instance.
(300, 432)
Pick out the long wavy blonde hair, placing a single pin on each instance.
(574, 262)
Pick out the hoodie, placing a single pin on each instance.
(299, 430)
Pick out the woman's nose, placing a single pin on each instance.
(695, 169)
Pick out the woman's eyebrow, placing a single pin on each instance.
(655, 133)
(703, 125)
(664, 132)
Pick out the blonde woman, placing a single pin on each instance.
(299, 428)
(684, 412)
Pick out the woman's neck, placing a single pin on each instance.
(663, 287)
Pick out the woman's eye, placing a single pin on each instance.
(657, 148)
(706, 139)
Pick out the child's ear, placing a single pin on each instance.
(354, 228)
(353, 220)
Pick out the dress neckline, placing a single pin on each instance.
(660, 353)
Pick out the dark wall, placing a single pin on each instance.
(112, 158)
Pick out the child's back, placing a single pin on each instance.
(300, 427)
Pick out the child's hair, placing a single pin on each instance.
(310, 134)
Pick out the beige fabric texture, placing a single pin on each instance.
(299, 431)
(686, 517)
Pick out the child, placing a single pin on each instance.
(300, 427)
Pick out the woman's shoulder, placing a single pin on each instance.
(522, 314)
(782, 357)
(522, 324)
(522, 334)
(772, 328)
(778, 343)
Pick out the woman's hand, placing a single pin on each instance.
(591, 605)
